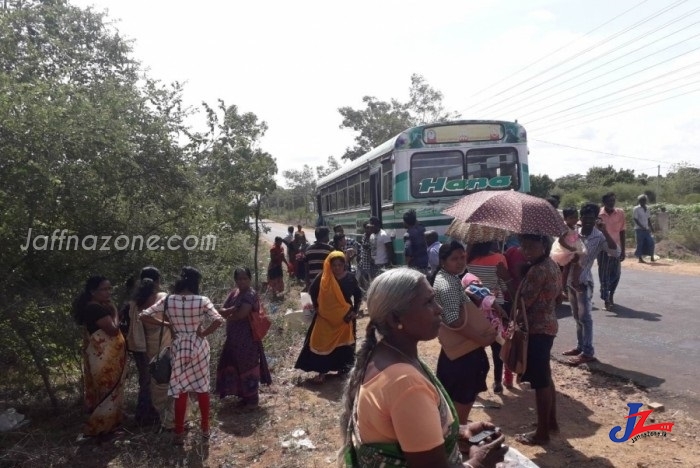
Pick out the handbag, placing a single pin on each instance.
(514, 350)
(161, 366)
(259, 322)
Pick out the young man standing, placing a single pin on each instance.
(316, 254)
(609, 268)
(431, 239)
(595, 237)
(416, 248)
(381, 244)
(643, 230)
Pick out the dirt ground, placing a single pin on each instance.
(589, 405)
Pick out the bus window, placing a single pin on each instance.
(493, 162)
(433, 165)
(387, 182)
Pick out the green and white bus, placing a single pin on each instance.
(424, 168)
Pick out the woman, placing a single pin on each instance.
(396, 413)
(330, 341)
(492, 269)
(540, 290)
(275, 274)
(185, 311)
(242, 365)
(463, 365)
(147, 294)
(104, 357)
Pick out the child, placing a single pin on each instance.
(568, 252)
(495, 314)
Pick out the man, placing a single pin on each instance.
(350, 245)
(643, 230)
(316, 254)
(609, 268)
(595, 237)
(416, 247)
(433, 242)
(364, 259)
(291, 247)
(382, 246)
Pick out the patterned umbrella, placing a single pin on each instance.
(470, 233)
(512, 211)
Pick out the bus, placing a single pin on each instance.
(425, 168)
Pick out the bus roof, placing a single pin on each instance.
(408, 139)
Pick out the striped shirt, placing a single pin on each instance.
(315, 256)
(485, 268)
(595, 243)
(450, 295)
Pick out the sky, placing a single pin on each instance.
(594, 82)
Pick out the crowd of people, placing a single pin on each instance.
(462, 294)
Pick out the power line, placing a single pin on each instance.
(617, 92)
(658, 93)
(598, 151)
(558, 126)
(546, 56)
(598, 87)
(532, 96)
(598, 44)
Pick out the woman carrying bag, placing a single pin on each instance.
(190, 352)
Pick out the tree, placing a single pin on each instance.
(607, 176)
(541, 185)
(376, 123)
(332, 165)
(381, 120)
(86, 148)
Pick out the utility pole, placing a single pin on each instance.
(658, 182)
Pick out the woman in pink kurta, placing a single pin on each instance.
(185, 312)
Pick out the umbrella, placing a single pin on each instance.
(471, 233)
(513, 211)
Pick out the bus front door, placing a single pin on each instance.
(375, 194)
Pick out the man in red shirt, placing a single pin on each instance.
(609, 268)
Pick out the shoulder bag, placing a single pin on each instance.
(160, 366)
(259, 322)
(514, 350)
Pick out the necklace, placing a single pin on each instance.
(412, 360)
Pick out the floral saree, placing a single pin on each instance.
(104, 360)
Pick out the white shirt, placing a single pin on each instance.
(378, 241)
(642, 216)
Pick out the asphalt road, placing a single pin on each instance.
(652, 338)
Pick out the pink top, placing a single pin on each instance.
(614, 222)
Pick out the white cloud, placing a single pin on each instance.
(542, 15)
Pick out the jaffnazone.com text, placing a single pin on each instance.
(60, 240)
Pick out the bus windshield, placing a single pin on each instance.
(447, 173)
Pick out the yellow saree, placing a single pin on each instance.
(330, 328)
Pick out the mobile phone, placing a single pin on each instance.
(483, 435)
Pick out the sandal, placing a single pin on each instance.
(581, 359)
(528, 438)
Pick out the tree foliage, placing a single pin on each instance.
(379, 120)
(91, 146)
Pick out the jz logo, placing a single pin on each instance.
(635, 426)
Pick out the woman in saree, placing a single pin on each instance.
(104, 357)
(395, 411)
(330, 341)
(242, 366)
(275, 275)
